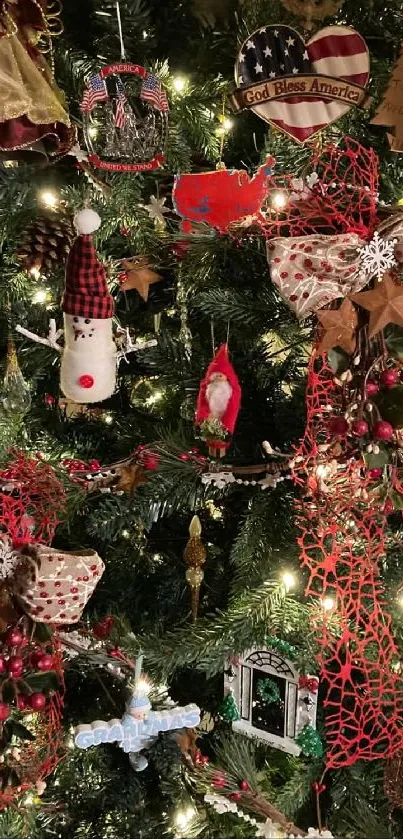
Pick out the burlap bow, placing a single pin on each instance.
(54, 586)
(311, 271)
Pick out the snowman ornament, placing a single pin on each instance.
(90, 356)
(88, 370)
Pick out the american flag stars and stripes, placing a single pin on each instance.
(95, 91)
(152, 92)
(276, 51)
(121, 99)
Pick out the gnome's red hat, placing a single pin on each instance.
(86, 292)
(220, 364)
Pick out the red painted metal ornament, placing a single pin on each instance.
(222, 197)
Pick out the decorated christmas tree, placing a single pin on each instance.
(201, 419)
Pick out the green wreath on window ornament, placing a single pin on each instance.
(269, 691)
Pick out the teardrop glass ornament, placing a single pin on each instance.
(15, 397)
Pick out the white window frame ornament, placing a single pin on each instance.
(300, 702)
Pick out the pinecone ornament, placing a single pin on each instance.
(45, 244)
(166, 755)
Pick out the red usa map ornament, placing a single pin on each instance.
(125, 123)
(301, 87)
(222, 197)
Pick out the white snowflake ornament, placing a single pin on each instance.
(9, 559)
(377, 256)
(156, 210)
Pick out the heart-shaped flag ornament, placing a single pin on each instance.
(301, 87)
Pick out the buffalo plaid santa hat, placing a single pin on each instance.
(86, 292)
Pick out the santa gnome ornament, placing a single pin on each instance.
(88, 370)
(218, 403)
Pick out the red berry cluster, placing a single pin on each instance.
(193, 455)
(380, 429)
(199, 759)
(74, 465)
(20, 658)
(103, 628)
(146, 458)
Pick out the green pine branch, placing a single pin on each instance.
(246, 623)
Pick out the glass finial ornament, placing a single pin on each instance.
(15, 397)
(195, 556)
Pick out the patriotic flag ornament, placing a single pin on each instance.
(94, 92)
(301, 87)
(152, 92)
(126, 138)
(121, 99)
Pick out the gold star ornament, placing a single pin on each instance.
(384, 303)
(340, 326)
(139, 276)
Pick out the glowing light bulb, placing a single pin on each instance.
(225, 125)
(279, 200)
(288, 580)
(154, 397)
(145, 35)
(183, 818)
(108, 418)
(40, 296)
(328, 604)
(35, 272)
(179, 84)
(93, 131)
(228, 124)
(49, 199)
(125, 534)
(143, 686)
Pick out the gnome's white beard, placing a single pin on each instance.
(90, 353)
(218, 394)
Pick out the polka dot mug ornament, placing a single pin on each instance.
(310, 272)
(54, 586)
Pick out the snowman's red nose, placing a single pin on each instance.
(86, 381)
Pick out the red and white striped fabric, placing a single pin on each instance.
(274, 52)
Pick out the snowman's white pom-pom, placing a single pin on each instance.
(86, 222)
